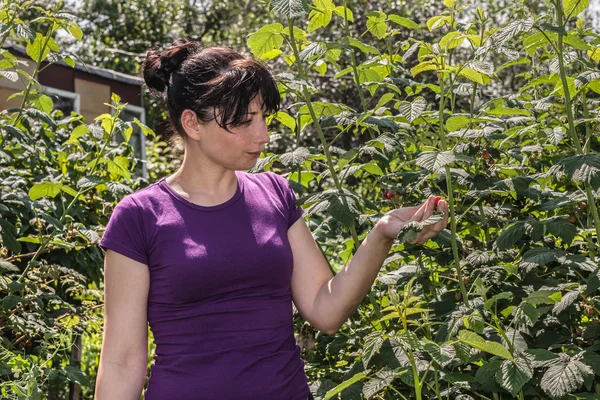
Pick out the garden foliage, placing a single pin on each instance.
(502, 304)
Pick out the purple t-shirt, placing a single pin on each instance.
(220, 301)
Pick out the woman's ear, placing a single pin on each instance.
(190, 124)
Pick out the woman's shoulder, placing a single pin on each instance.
(143, 199)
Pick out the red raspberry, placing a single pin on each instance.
(485, 155)
(436, 201)
(389, 194)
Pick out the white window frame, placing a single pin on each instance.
(66, 94)
(142, 117)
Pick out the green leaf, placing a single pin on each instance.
(39, 49)
(267, 38)
(477, 342)
(321, 16)
(344, 12)
(286, 119)
(76, 375)
(586, 78)
(290, 8)
(422, 67)
(541, 297)
(412, 110)
(491, 302)
(10, 75)
(6, 266)
(582, 168)
(442, 355)
(563, 229)
(44, 189)
(9, 239)
(365, 48)
(75, 30)
(435, 161)
(89, 182)
(78, 132)
(565, 302)
(501, 37)
(564, 376)
(449, 3)
(306, 178)
(344, 385)
(372, 344)
(410, 230)
(405, 22)
(555, 135)
(574, 7)
(512, 376)
(295, 158)
(541, 255)
(382, 379)
(43, 103)
(455, 123)
(452, 40)
(376, 24)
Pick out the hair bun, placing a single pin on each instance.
(158, 68)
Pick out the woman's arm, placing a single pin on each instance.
(327, 301)
(124, 353)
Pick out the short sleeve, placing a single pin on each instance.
(125, 233)
(294, 211)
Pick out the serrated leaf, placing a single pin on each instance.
(555, 135)
(405, 22)
(295, 158)
(382, 379)
(563, 229)
(435, 161)
(511, 30)
(541, 297)
(44, 189)
(290, 8)
(512, 376)
(321, 16)
(376, 24)
(564, 377)
(372, 345)
(565, 302)
(510, 236)
(477, 342)
(573, 7)
(443, 355)
(583, 168)
(268, 37)
(412, 110)
(344, 385)
(6, 266)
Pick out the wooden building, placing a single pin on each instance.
(84, 90)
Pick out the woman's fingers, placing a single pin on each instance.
(431, 231)
(424, 211)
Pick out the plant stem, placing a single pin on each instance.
(33, 76)
(486, 232)
(453, 234)
(570, 117)
(313, 115)
(363, 101)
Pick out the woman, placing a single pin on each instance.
(212, 257)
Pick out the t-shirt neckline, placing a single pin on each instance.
(238, 193)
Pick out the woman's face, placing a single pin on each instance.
(234, 149)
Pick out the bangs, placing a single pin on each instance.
(235, 88)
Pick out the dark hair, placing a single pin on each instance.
(217, 83)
